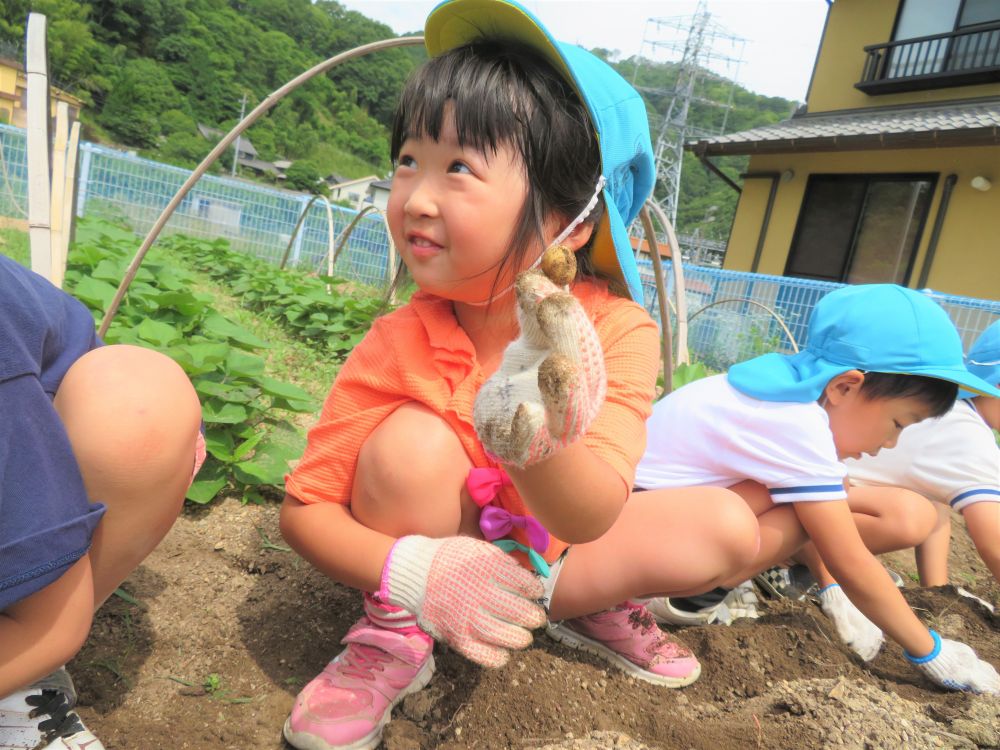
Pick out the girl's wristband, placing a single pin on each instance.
(924, 659)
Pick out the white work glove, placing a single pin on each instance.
(860, 634)
(466, 592)
(955, 666)
(551, 382)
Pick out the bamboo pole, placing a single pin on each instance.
(57, 195)
(69, 191)
(36, 73)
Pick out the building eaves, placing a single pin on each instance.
(934, 126)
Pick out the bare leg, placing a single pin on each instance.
(132, 418)
(411, 478)
(888, 519)
(983, 522)
(932, 554)
(674, 542)
(781, 534)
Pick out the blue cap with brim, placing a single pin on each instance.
(871, 327)
(983, 359)
(617, 112)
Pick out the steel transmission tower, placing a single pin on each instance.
(703, 52)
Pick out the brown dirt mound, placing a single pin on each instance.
(226, 628)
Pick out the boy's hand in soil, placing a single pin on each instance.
(954, 665)
(551, 383)
(861, 635)
(466, 592)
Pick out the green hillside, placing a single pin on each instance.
(151, 70)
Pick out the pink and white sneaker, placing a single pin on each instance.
(348, 705)
(628, 637)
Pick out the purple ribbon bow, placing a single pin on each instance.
(496, 522)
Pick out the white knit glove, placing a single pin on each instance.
(551, 382)
(955, 666)
(860, 634)
(466, 592)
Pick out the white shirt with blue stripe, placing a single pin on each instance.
(953, 460)
(708, 433)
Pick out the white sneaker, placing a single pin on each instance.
(739, 603)
(41, 718)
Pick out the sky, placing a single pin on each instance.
(780, 37)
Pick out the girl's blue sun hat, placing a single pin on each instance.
(871, 327)
(983, 359)
(617, 111)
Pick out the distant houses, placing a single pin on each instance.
(246, 155)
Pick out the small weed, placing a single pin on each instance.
(293, 681)
(266, 543)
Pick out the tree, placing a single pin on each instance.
(139, 94)
(303, 175)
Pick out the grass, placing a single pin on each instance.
(14, 244)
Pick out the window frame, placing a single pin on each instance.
(868, 177)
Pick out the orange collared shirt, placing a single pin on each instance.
(420, 353)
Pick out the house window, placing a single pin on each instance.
(860, 229)
(961, 51)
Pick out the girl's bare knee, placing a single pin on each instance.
(410, 475)
(916, 518)
(131, 414)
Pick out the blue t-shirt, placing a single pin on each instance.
(46, 520)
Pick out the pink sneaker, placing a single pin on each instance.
(349, 703)
(629, 638)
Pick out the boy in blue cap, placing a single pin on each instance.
(953, 461)
(776, 430)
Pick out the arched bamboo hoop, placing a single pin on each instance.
(302, 220)
(764, 307)
(349, 229)
(271, 99)
(666, 329)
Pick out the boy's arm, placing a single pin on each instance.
(831, 528)
(983, 521)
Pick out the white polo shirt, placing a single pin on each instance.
(953, 459)
(708, 433)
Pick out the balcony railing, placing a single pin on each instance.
(957, 58)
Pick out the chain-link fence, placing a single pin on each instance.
(729, 311)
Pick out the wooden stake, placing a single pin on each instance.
(58, 194)
(36, 73)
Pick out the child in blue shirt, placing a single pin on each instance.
(98, 445)
(776, 430)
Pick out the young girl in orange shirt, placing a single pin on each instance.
(503, 404)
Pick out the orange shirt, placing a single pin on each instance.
(420, 353)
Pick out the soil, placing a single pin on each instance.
(225, 625)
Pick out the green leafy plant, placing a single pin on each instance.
(248, 439)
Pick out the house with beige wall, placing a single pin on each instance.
(891, 170)
(14, 85)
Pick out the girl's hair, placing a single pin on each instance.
(503, 93)
(939, 395)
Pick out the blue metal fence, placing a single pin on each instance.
(726, 309)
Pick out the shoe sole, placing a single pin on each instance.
(574, 640)
(306, 741)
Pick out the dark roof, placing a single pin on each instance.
(925, 126)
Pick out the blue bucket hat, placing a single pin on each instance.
(983, 359)
(617, 112)
(871, 327)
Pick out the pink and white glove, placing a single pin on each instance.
(954, 665)
(551, 382)
(860, 634)
(466, 592)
